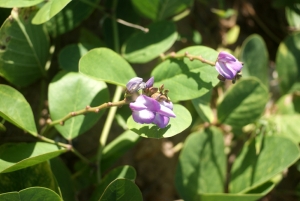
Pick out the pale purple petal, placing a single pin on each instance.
(167, 104)
(150, 103)
(136, 106)
(224, 71)
(143, 116)
(161, 121)
(134, 83)
(237, 66)
(150, 82)
(226, 57)
(163, 110)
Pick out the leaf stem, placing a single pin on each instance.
(189, 56)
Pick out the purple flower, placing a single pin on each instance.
(147, 110)
(228, 66)
(150, 82)
(134, 84)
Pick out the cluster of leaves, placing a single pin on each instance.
(27, 38)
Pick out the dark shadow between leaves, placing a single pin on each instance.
(151, 131)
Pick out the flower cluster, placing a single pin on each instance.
(153, 106)
(228, 67)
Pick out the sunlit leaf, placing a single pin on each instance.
(15, 109)
(19, 3)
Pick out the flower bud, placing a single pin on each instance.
(134, 84)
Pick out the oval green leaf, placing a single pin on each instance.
(288, 62)
(251, 169)
(243, 103)
(255, 56)
(202, 165)
(122, 190)
(176, 125)
(70, 92)
(32, 194)
(144, 47)
(202, 106)
(15, 109)
(18, 156)
(187, 79)
(18, 3)
(106, 65)
(161, 9)
(37, 175)
(126, 172)
(24, 48)
(50, 9)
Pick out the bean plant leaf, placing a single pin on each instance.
(161, 9)
(287, 126)
(255, 56)
(176, 125)
(202, 165)
(18, 156)
(24, 48)
(126, 172)
(37, 175)
(251, 169)
(64, 178)
(15, 109)
(70, 92)
(243, 103)
(288, 62)
(117, 148)
(106, 65)
(18, 3)
(122, 190)
(32, 194)
(187, 79)
(50, 9)
(70, 16)
(252, 196)
(144, 47)
(293, 17)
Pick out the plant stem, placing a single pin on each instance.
(191, 57)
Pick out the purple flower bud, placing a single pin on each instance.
(228, 66)
(147, 110)
(134, 84)
(150, 82)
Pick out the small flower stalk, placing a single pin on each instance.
(228, 67)
(152, 106)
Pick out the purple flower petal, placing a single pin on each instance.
(133, 84)
(163, 110)
(150, 82)
(226, 57)
(143, 116)
(224, 71)
(161, 121)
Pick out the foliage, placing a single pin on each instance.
(65, 67)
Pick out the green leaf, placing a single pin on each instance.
(70, 92)
(50, 9)
(287, 104)
(104, 64)
(202, 106)
(293, 17)
(17, 156)
(126, 172)
(144, 47)
(122, 190)
(202, 165)
(24, 48)
(243, 103)
(288, 62)
(187, 79)
(32, 194)
(176, 125)
(18, 3)
(255, 56)
(117, 148)
(287, 126)
(161, 9)
(63, 178)
(264, 189)
(232, 35)
(70, 55)
(251, 169)
(37, 175)
(15, 109)
(70, 16)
